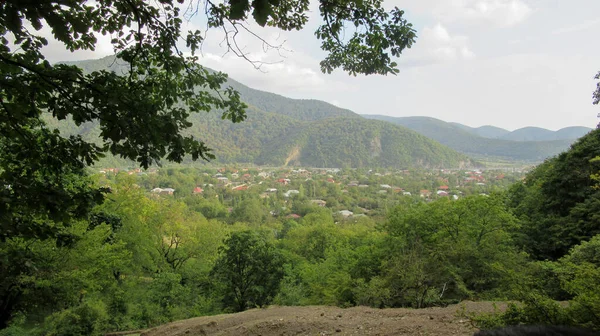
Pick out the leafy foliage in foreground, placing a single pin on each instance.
(150, 259)
(578, 277)
(558, 206)
(559, 201)
(249, 271)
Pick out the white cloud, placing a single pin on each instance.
(288, 76)
(55, 51)
(588, 24)
(437, 45)
(497, 12)
(509, 91)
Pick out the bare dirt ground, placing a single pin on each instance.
(321, 320)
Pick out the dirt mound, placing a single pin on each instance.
(320, 320)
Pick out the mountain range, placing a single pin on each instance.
(489, 142)
(526, 133)
(282, 131)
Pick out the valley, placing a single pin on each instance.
(144, 193)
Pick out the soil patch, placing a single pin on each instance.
(322, 320)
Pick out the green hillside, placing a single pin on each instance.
(272, 139)
(462, 140)
(355, 142)
(282, 131)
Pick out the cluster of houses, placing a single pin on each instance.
(287, 183)
(136, 171)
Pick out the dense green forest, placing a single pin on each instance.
(507, 146)
(147, 256)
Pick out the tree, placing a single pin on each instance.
(453, 249)
(251, 211)
(249, 269)
(38, 276)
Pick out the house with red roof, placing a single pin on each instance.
(240, 187)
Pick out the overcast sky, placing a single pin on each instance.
(507, 63)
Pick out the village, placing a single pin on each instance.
(348, 193)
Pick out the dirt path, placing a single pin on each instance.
(320, 320)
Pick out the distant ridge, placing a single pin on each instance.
(542, 134)
(486, 131)
(472, 141)
(527, 133)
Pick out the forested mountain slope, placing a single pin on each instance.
(356, 142)
(283, 131)
(542, 134)
(459, 139)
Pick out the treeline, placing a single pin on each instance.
(144, 259)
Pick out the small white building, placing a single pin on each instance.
(291, 192)
(346, 213)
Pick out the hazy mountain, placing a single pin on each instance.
(463, 140)
(486, 131)
(284, 131)
(542, 134)
(573, 132)
(526, 133)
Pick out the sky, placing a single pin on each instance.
(506, 63)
